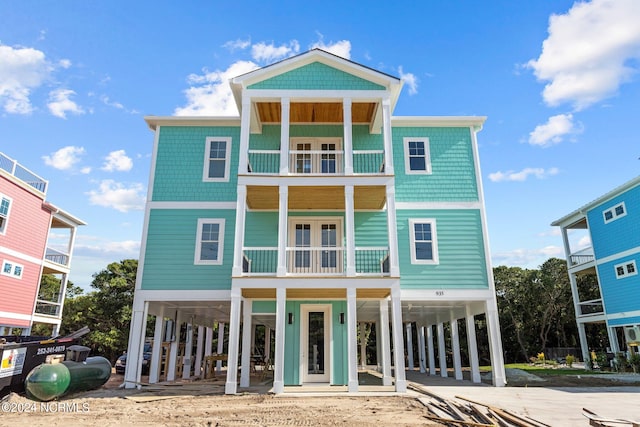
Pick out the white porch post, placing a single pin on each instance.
(173, 347)
(247, 326)
(234, 334)
(278, 369)
(197, 370)
(352, 341)
(386, 134)
(285, 105)
(243, 160)
(422, 353)
(385, 344)
(409, 327)
(613, 339)
(363, 344)
(267, 343)
(473, 347)
(455, 348)
(348, 136)
(156, 354)
(392, 232)
(241, 210)
(220, 346)
(495, 345)
(282, 230)
(188, 349)
(208, 341)
(584, 345)
(136, 343)
(350, 230)
(398, 344)
(442, 353)
(430, 350)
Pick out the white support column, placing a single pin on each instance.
(247, 326)
(455, 348)
(173, 347)
(241, 210)
(385, 344)
(188, 349)
(409, 327)
(363, 345)
(156, 352)
(348, 136)
(267, 343)
(352, 341)
(495, 345)
(392, 227)
(136, 343)
(584, 344)
(285, 105)
(398, 344)
(278, 369)
(442, 352)
(243, 159)
(234, 334)
(220, 347)
(431, 351)
(613, 339)
(386, 135)
(422, 352)
(208, 341)
(283, 207)
(197, 370)
(349, 219)
(472, 343)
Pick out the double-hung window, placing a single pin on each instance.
(209, 241)
(217, 159)
(626, 269)
(5, 205)
(423, 240)
(417, 158)
(614, 213)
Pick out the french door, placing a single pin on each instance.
(315, 246)
(315, 339)
(316, 156)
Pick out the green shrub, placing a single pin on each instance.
(634, 361)
(570, 359)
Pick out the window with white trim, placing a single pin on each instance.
(626, 269)
(209, 241)
(12, 269)
(217, 159)
(423, 240)
(417, 158)
(611, 214)
(5, 206)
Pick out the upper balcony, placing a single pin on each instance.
(23, 174)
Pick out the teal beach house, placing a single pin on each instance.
(315, 234)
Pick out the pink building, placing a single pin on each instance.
(30, 229)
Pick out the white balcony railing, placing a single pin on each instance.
(316, 162)
(591, 307)
(22, 173)
(57, 257)
(47, 308)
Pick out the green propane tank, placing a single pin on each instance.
(88, 375)
(47, 381)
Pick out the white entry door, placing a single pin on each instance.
(315, 349)
(315, 246)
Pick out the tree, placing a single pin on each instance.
(106, 311)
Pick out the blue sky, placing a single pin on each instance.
(557, 80)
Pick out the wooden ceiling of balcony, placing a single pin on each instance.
(317, 293)
(316, 197)
(316, 112)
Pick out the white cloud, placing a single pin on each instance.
(527, 258)
(410, 80)
(233, 45)
(64, 63)
(590, 51)
(60, 103)
(21, 71)
(106, 101)
(210, 93)
(65, 158)
(117, 161)
(267, 53)
(553, 132)
(112, 194)
(340, 48)
(522, 175)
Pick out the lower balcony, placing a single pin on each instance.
(47, 308)
(591, 307)
(315, 261)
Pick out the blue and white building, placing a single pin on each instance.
(315, 212)
(612, 223)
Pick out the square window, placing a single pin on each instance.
(7, 267)
(631, 268)
(620, 271)
(608, 215)
(17, 271)
(217, 159)
(619, 210)
(416, 156)
(423, 241)
(11, 269)
(615, 212)
(209, 241)
(626, 269)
